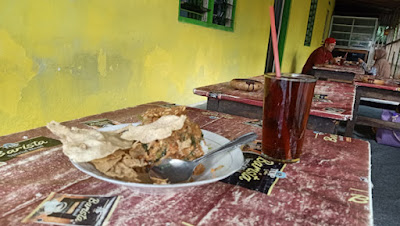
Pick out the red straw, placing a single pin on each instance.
(274, 41)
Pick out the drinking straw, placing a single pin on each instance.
(274, 41)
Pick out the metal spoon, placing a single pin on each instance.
(176, 170)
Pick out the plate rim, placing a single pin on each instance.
(163, 186)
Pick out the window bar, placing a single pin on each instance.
(228, 17)
(211, 10)
(205, 15)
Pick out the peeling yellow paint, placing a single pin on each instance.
(115, 54)
(102, 63)
(158, 66)
(16, 70)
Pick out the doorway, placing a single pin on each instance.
(282, 12)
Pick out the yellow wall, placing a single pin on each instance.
(295, 53)
(62, 59)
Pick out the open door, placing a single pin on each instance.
(282, 11)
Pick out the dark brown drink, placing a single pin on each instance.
(287, 102)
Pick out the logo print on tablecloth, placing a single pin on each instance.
(321, 98)
(11, 150)
(66, 209)
(257, 173)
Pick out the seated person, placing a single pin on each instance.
(322, 55)
(381, 68)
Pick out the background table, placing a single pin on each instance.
(390, 92)
(337, 73)
(330, 186)
(324, 116)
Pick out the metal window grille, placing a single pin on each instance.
(211, 12)
(194, 9)
(310, 23)
(222, 14)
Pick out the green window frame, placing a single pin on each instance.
(204, 13)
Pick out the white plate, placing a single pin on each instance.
(230, 161)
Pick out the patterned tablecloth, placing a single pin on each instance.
(389, 84)
(341, 68)
(330, 186)
(335, 100)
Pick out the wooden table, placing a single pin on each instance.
(329, 186)
(337, 73)
(324, 116)
(389, 91)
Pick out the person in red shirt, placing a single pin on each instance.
(322, 55)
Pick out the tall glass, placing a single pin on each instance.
(287, 102)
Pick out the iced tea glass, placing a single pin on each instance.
(287, 102)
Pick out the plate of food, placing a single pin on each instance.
(122, 154)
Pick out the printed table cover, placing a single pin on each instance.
(331, 185)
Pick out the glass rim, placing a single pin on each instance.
(294, 77)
